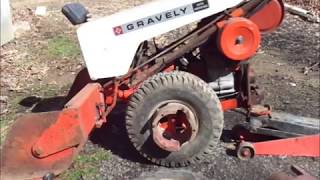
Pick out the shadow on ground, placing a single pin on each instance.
(43, 104)
(111, 136)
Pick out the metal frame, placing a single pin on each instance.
(292, 136)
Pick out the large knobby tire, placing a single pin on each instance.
(192, 92)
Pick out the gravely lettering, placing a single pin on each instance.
(164, 16)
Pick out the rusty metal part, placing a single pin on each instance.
(47, 142)
(125, 94)
(256, 94)
(250, 93)
(114, 99)
(174, 124)
(242, 85)
(74, 123)
(17, 160)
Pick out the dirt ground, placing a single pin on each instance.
(38, 67)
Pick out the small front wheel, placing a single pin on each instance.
(245, 151)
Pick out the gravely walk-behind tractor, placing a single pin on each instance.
(176, 94)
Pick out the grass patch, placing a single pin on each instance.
(43, 91)
(6, 120)
(63, 47)
(86, 166)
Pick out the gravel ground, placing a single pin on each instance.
(312, 5)
(284, 55)
(125, 163)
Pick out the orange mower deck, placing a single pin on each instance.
(44, 143)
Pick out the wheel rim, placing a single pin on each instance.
(245, 153)
(174, 124)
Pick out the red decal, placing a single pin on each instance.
(118, 30)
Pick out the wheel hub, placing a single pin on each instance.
(174, 124)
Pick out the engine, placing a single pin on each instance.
(231, 47)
